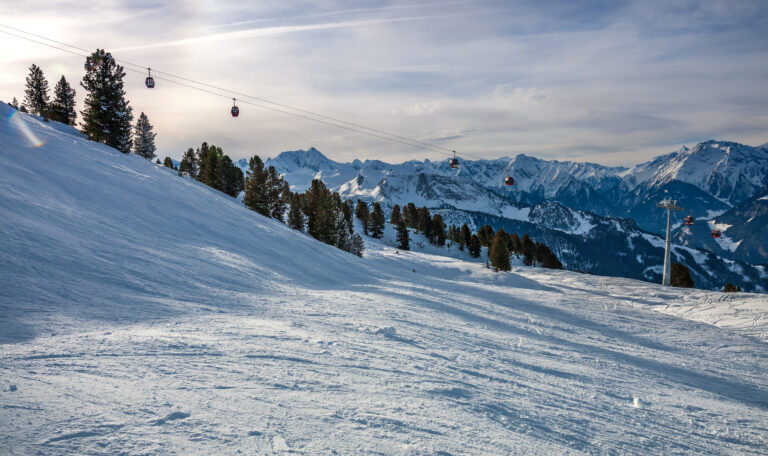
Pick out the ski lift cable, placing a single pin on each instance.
(309, 115)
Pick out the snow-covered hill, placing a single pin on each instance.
(144, 313)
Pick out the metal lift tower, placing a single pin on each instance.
(669, 205)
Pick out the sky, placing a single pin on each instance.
(613, 82)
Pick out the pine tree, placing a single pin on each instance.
(208, 160)
(731, 288)
(358, 246)
(168, 163)
(376, 221)
(466, 235)
(395, 217)
(36, 93)
(275, 186)
(256, 193)
(516, 245)
(498, 253)
(14, 104)
(321, 212)
(528, 249)
(23, 108)
(486, 235)
(188, 163)
(361, 212)
(62, 109)
(344, 233)
(403, 239)
(437, 230)
(411, 215)
(680, 276)
(107, 116)
(295, 217)
(474, 246)
(143, 138)
(423, 221)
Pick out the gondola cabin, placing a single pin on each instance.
(235, 110)
(509, 181)
(716, 234)
(149, 82)
(453, 163)
(688, 220)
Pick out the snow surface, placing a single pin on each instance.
(144, 313)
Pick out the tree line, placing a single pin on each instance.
(500, 245)
(107, 114)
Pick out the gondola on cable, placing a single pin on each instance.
(454, 162)
(716, 234)
(235, 110)
(150, 81)
(688, 220)
(508, 179)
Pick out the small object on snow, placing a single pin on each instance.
(389, 332)
(12, 388)
(414, 269)
(636, 403)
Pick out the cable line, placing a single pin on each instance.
(271, 105)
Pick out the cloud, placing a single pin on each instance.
(612, 82)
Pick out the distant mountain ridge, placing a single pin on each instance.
(584, 200)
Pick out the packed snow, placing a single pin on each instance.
(144, 313)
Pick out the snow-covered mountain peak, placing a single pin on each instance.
(310, 159)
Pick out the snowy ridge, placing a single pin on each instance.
(143, 312)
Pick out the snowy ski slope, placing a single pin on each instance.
(144, 313)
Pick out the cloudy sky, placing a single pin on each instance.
(614, 82)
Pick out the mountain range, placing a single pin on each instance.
(583, 209)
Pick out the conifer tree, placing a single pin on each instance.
(36, 93)
(731, 288)
(62, 108)
(466, 235)
(23, 108)
(516, 245)
(168, 163)
(275, 186)
(361, 212)
(528, 249)
(486, 235)
(143, 138)
(321, 212)
(395, 217)
(14, 104)
(680, 276)
(437, 230)
(423, 221)
(498, 253)
(295, 216)
(358, 246)
(344, 233)
(376, 221)
(474, 246)
(256, 192)
(107, 116)
(403, 239)
(188, 163)
(208, 161)
(411, 215)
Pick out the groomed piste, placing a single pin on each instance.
(142, 312)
